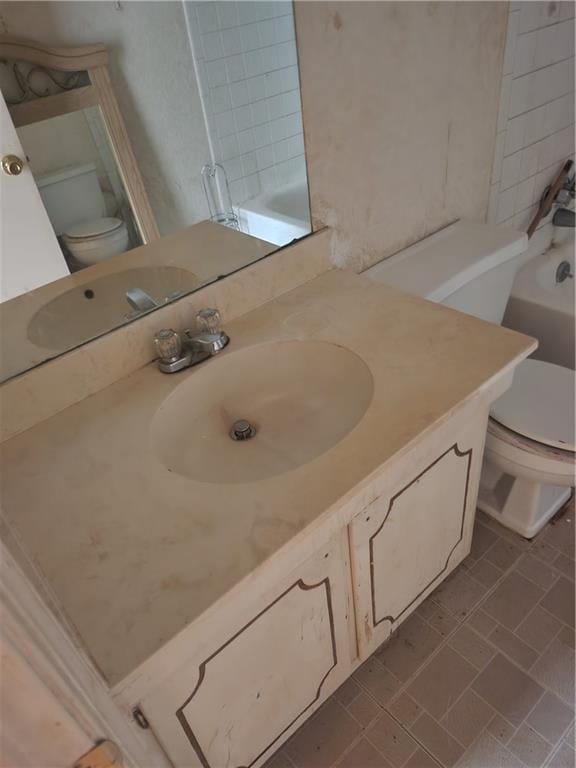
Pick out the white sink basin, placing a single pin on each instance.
(302, 398)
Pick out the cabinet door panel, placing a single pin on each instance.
(261, 679)
(414, 533)
(422, 525)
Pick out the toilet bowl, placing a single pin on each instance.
(95, 241)
(76, 207)
(529, 459)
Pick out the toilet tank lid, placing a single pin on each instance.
(54, 177)
(442, 263)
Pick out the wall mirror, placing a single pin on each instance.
(148, 148)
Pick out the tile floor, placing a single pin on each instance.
(480, 676)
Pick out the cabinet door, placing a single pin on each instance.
(251, 682)
(414, 533)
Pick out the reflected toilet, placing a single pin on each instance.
(76, 207)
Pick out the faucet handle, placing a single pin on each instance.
(168, 345)
(209, 321)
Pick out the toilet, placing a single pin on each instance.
(77, 210)
(529, 458)
(94, 241)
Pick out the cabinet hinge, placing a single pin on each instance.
(140, 718)
(105, 754)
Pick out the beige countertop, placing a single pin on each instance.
(135, 552)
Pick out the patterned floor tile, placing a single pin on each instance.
(391, 740)
(529, 747)
(508, 689)
(441, 682)
(512, 600)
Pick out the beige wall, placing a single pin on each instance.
(153, 75)
(399, 102)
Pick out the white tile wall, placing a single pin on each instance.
(536, 113)
(245, 56)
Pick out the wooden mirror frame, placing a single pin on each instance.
(92, 59)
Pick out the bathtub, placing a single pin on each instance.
(279, 215)
(543, 308)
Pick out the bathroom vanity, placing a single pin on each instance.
(225, 588)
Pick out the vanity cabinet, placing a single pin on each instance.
(254, 668)
(418, 528)
(253, 676)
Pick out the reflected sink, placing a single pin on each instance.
(302, 398)
(98, 306)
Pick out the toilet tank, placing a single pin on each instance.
(467, 266)
(71, 196)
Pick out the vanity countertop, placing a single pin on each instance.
(135, 552)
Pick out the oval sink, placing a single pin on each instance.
(300, 397)
(100, 305)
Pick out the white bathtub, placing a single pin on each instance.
(278, 216)
(543, 308)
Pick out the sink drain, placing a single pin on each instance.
(242, 430)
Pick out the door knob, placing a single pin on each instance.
(12, 165)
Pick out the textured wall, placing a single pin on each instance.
(399, 104)
(536, 115)
(154, 79)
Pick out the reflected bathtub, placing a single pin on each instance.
(278, 216)
(543, 308)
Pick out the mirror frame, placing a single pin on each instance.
(92, 59)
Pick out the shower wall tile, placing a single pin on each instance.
(246, 59)
(536, 114)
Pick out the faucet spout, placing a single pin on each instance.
(563, 218)
(140, 300)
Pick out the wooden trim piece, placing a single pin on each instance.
(124, 154)
(45, 645)
(62, 59)
(52, 106)
(202, 669)
(460, 454)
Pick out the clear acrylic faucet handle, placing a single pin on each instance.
(209, 321)
(168, 344)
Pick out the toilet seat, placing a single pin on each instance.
(539, 405)
(93, 230)
(528, 457)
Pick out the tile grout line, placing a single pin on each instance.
(546, 168)
(523, 112)
(412, 736)
(539, 69)
(533, 109)
(545, 26)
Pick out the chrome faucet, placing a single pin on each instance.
(178, 351)
(563, 216)
(140, 300)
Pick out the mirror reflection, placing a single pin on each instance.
(81, 187)
(154, 162)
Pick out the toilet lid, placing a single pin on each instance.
(540, 404)
(94, 228)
